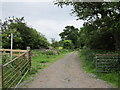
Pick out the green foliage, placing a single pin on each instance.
(64, 51)
(55, 43)
(70, 33)
(67, 44)
(111, 78)
(60, 48)
(97, 39)
(49, 52)
(101, 29)
(23, 35)
(87, 57)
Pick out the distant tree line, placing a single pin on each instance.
(24, 35)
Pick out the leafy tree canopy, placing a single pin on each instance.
(101, 18)
(70, 33)
(23, 34)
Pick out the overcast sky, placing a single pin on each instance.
(45, 17)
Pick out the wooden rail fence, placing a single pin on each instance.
(107, 62)
(14, 70)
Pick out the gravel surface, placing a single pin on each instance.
(66, 73)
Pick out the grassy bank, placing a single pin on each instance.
(88, 60)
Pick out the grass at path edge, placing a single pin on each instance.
(89, 67)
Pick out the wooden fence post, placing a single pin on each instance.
(29, 56)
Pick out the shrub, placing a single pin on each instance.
(50, 52)
(60, 48)
(64, 50)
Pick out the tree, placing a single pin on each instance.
(67, 44)
(96, 39)
(55, 43)
(23, 35)
(104, 16)
(70, 33)
(6, 38)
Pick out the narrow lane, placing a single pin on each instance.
(66, 73)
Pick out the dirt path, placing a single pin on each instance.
(66, 73)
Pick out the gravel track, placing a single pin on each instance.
(66, 73)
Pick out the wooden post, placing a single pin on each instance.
(29, 56)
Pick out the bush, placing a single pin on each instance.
(39, 52)
(87, 56)
(88, 53)
(60, 48)
(50, 52)
(64, 51)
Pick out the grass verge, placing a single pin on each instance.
(87, 58)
